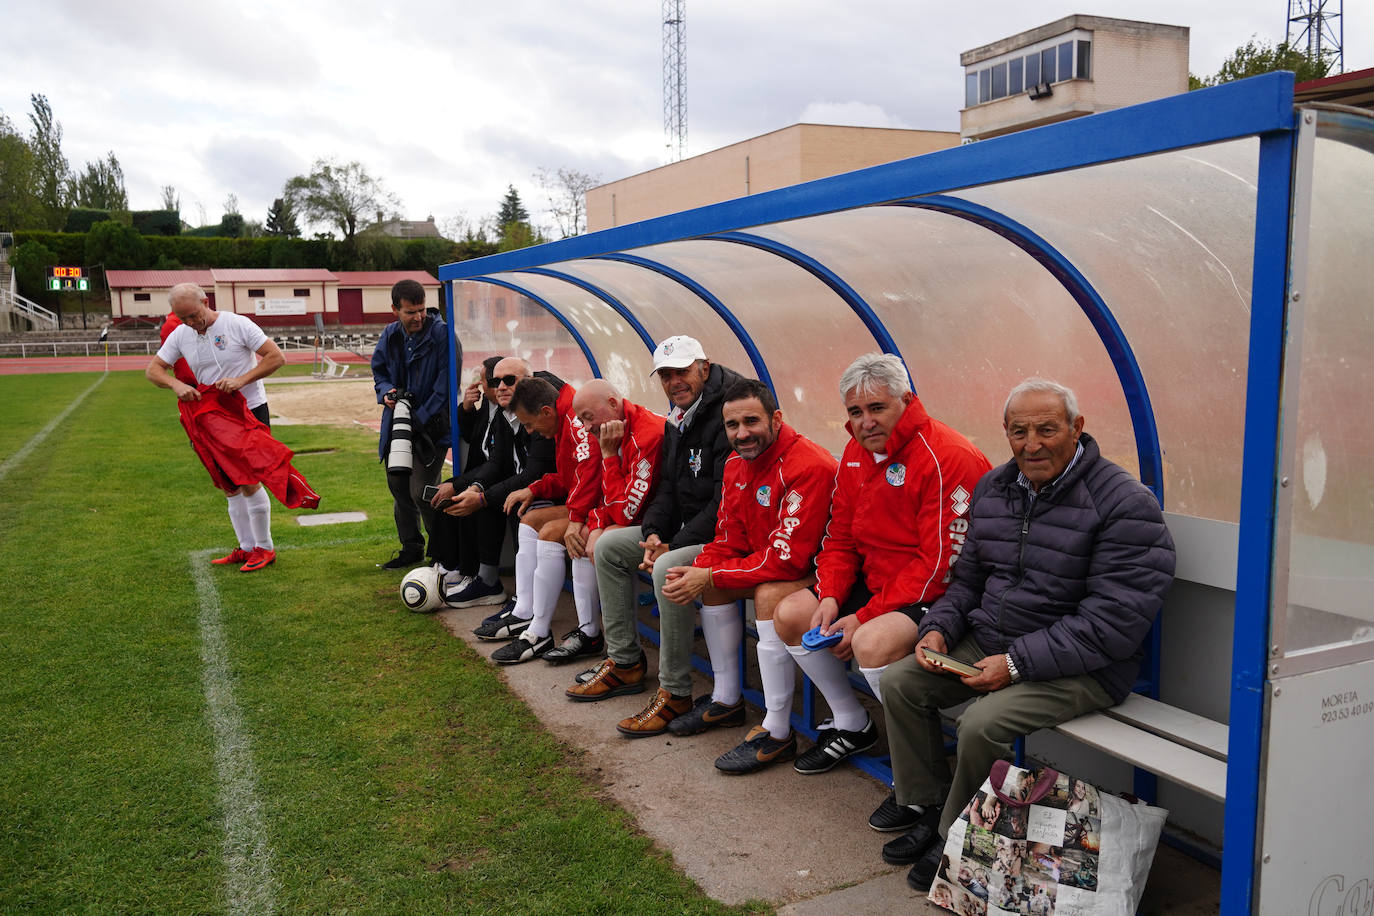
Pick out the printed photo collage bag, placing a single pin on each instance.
(1042, 842)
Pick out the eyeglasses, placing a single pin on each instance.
(508, 380)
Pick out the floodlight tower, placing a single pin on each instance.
(1316, 30)
(675, 78)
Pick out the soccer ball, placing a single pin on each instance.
(420, 590)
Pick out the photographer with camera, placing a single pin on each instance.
(410, 374)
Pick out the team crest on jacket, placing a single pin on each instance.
(896, 474)
(694, 461)
(794, 501)
(764, 495)
(219, 342)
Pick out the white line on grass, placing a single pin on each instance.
(42, 434)
(249, 884)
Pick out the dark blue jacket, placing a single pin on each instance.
(1070, 583)
(418, 364)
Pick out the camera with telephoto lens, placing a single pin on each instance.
(400, 457)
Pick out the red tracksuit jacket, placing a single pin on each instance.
(628, 479)
(900, 521)
(772, 514)
(238, 449)
(576, 479)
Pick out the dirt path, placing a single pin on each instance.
(335, 402)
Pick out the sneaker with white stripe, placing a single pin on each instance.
(834, 745)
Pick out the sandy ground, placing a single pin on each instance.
(331, 402)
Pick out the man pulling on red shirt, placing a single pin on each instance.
(897, 524)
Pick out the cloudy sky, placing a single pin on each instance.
(450, 101)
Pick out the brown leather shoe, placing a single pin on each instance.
(654, 718)
(610, 680)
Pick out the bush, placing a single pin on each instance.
(115, 245)
(157, 222)
(31, 261)
(81, 219)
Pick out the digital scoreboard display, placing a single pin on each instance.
(67, 278)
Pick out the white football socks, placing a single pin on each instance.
(238, 517)
(828, 674)
(779, 678)
(550, 572)
(586, 596)
(526, 557)
(260, 518)
(873, 676)
(723, 627)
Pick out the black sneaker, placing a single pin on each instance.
(890, 817)
(575, 645)
(759, 749)
(403, 559)
(501, 625)
(522, 649)
(922, 874)
(707, 714)
(474, 592)
(833, 745)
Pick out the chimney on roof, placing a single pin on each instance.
(379, 216)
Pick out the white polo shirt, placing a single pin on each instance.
(228, 348)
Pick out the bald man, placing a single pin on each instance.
(229, 353)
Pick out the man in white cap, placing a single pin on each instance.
(679, 521)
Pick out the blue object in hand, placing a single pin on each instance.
(813, 640)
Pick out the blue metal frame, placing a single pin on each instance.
(562, 319)
(827, 276)
(755, 357)
(1259, 473)
(601, 294)
(455, 374)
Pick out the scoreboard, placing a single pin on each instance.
(66, 278)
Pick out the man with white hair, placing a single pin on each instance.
(1066, 563)
(897, 525)
(229, 353)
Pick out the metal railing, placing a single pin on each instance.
(359, 345)
(11, 301)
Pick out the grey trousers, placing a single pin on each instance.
(409, 506)
(913, 698)
(618, 555)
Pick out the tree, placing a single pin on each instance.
(19, 205)
(101, 185)
(31, 261)
(171, 200)
(567, 192)
(231, 204)
(512, 210)
(1256, 57)
(116, 245)
(338, 195)
(281, 220)
(51, 172)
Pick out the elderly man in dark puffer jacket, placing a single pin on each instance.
(1065, 567)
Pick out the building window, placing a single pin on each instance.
(257, 294)
(301, 293)
(500, 310)
(1032, 70)
(529, 308)
(1085, 60)
(970, 90)
(1066, 61)
(985, 85)
(1047, 68)
(999, 81)
(472, 310)
(143, 297)
(1014, 67)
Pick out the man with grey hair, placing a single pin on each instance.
(897, 525)
(1065, 566)
(229, 353)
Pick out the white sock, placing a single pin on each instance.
(828, 674)
(779, 678)
(260, 517)
(723, 627)
(549, 574)
(873, 675)
(238, 517)
(526, 557)
(586, 596)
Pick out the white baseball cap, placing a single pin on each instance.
(677, 352)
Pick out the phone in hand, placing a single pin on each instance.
(429, 493)
(950, 663)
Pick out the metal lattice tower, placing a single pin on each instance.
(675, 78)
(1317, 31)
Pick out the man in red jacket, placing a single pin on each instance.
(896, 527)
(547, 534)
(629, 438)
(774, 505)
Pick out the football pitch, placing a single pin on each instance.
(182, 738)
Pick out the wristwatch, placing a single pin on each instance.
(1011, 669)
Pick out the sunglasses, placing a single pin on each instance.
(507, 380)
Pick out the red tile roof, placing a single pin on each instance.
(156, 279)
(273, 275)
(383, 277)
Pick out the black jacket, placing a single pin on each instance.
(692, 465)
(497, 474)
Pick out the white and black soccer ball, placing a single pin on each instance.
(420, 590)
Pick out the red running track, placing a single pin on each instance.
(40, 365)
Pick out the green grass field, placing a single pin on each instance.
(376, 763)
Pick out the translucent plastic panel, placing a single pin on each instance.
(492, 320)
(624, 359)
(972, 315)
(806, 333)
(1167, 241)
(665, 307)
(1331, 444)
